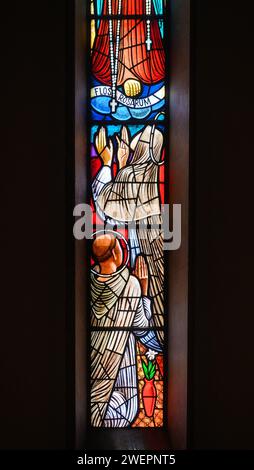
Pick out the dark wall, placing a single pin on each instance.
(33, 261)
(33, 227)
(222, 311)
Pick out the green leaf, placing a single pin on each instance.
(153, 371)
(145, 368)
(149, 369)
(150, 365)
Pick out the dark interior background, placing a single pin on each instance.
(34, 262)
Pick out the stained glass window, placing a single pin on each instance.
(128, 120)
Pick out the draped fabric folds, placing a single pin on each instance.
(135, 61)
(134, 196)
(127, 125)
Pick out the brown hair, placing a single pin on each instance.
(103, 247)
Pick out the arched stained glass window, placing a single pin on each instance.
(128, 125)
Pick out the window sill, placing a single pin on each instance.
(127, 439)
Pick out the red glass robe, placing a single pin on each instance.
(135, 61)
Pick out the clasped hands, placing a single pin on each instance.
(105, 148)
(141, 272)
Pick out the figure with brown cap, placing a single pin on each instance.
(120, 315)
(132, 197)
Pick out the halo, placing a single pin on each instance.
(117, 235)
(152, 142)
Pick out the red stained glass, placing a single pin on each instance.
(127, 166)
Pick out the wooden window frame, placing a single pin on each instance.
(78, 313)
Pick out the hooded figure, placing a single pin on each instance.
(133, 197)
(117, 308)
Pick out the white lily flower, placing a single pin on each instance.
(151, 355)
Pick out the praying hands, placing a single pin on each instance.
(141, 272)
(105, 149)
(123, 148)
